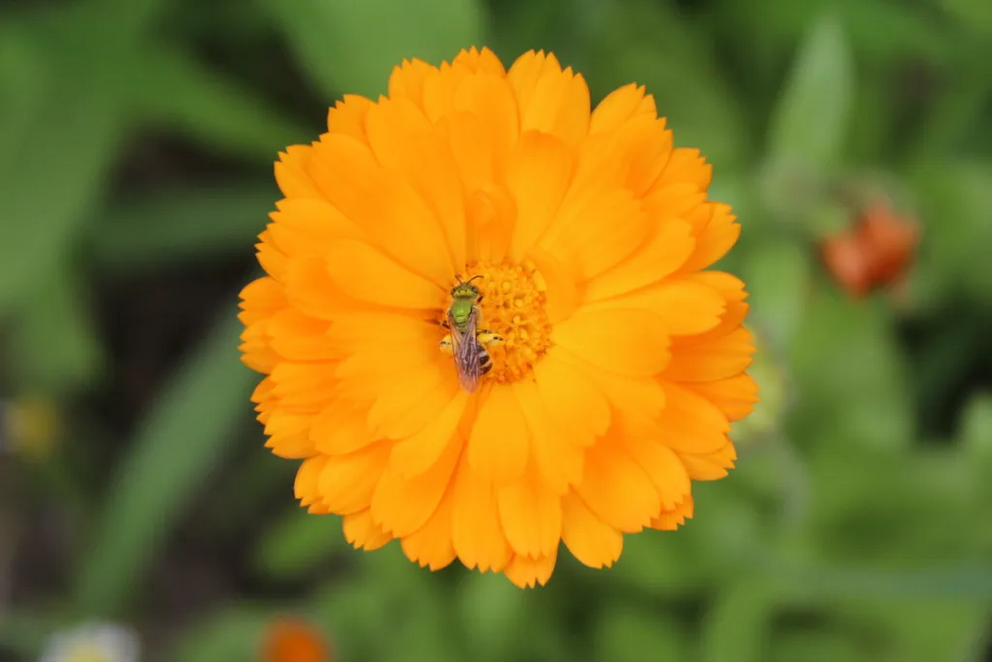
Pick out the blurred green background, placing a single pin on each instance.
(136, 148)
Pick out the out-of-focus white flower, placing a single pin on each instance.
(93, 642)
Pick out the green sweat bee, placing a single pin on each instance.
(466, 341)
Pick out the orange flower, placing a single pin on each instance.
(292, 640)
(877, 252)
(622, 362)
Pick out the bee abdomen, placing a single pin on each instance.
(485, 361)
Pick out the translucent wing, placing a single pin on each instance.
(466, 350)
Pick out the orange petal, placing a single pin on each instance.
(306, 386)
(363, 533)
(549, 99)
(271, 259)
(617, 489)
(592, 541)
(475, 527)
(405, 141)
(260, 299)
(662, 466)
(344, 170)
(684, 307)
(256, 348)
(735, 396)
(712, 359)
(347, 117)
(666, 250)
(499, 442)
(530, 515)
(407, 81)
(527, 572)
(403, 505)
(415, 455)
(307, 485)
(348, 481)
(619, 106)
(432, 390)
(289, 434)
(571, 400)
(710, 466)
(589, 244)
(561, 296)
(538, 174)
(669, 520)
(489, 98)
(361, 271)
(405, 228)
(625, 341)
(685, 166)
(365, 329)
(731, 289)
(431, 544)
(558, 458)
(713, 242)
(340, 429)
(690, 423)
(310, 289)
(291, 172)
(476, 60)
(300, 337)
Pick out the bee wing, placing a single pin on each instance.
(465, 348)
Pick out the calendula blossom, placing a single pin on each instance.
(588, 237)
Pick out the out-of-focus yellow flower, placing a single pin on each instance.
(29, 426)
(588, 237)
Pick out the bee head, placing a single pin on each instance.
(465, 289)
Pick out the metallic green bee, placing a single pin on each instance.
(466, 342)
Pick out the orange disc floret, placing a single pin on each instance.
(590, 238)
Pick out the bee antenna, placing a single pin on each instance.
(473, 278)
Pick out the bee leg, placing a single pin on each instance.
(445, 324)
(445, 345)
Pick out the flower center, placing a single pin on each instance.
(512, 304)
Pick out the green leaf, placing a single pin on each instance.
(297, 544)
(809, 124)
(179, 93)
(52, 180)
(737, 626)
(55, 347)
(976, 426)
(351, 46)
(234, 633)
(625, 634)
(816, 646)
(651, 44)
(181, 225)
(955, 198)
(494, 611)
(849, 372)
(25, 632)
(778, 276)
(175, 448)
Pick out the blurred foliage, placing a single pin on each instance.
(136, 141)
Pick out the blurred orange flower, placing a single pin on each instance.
(588, 238)
(293, 640)
(877, 252)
